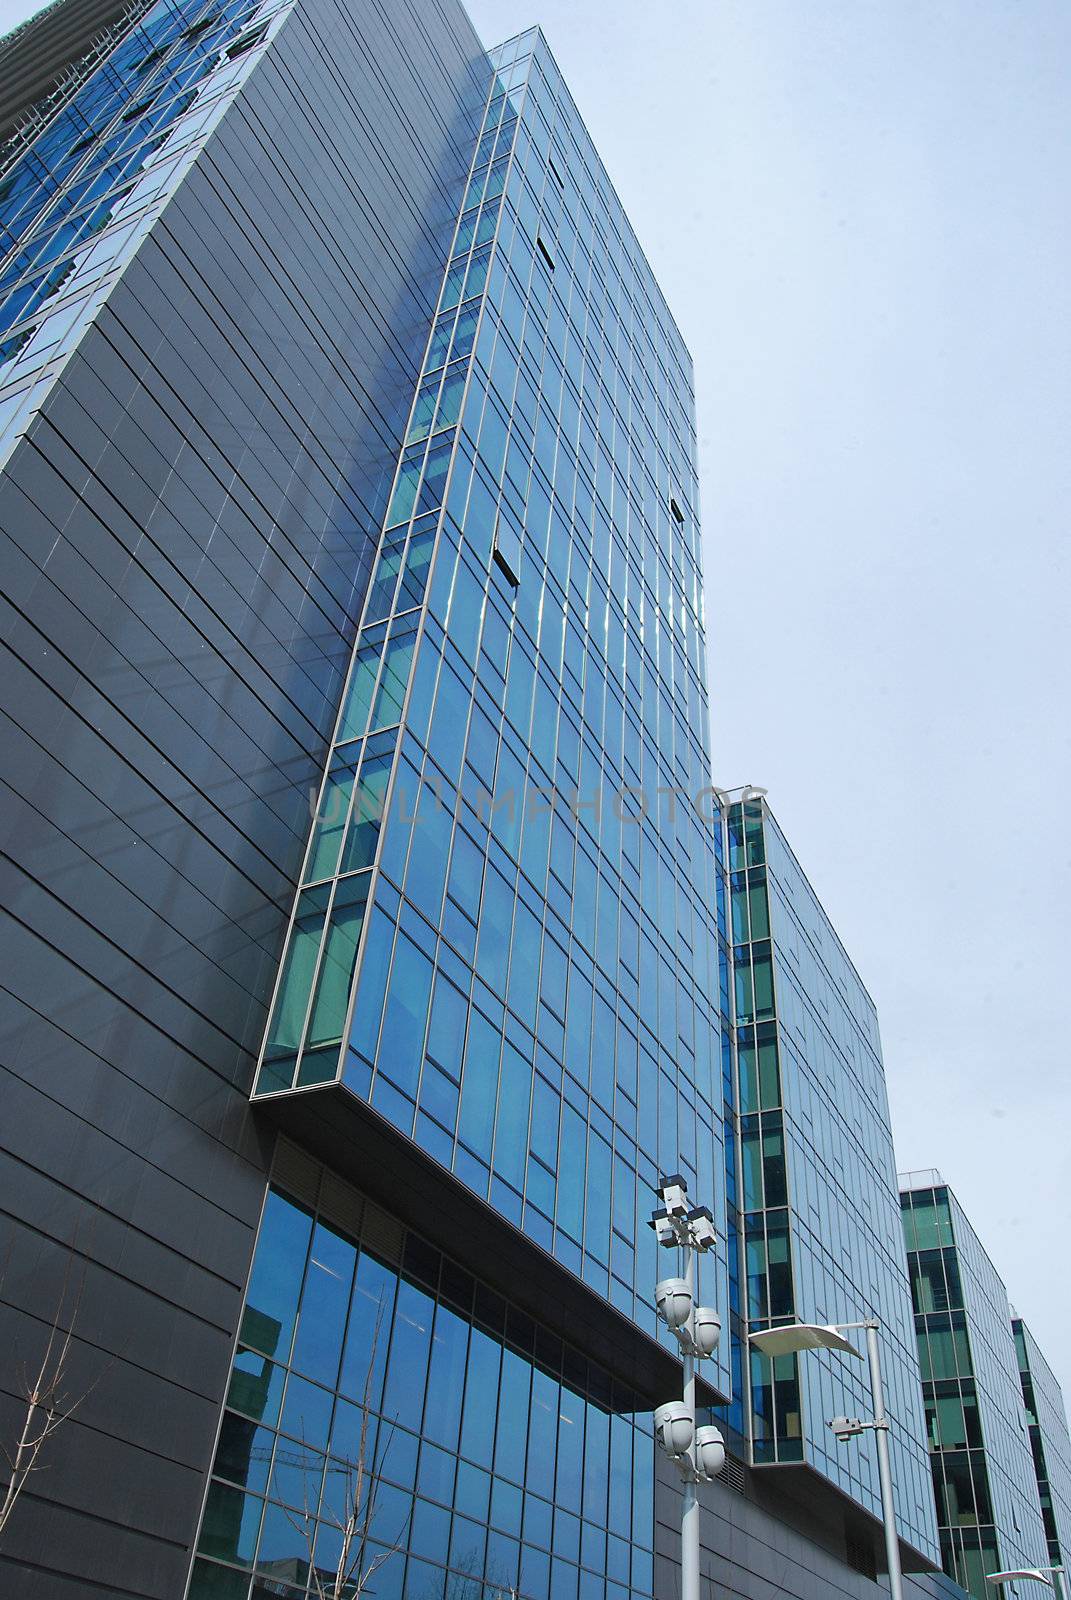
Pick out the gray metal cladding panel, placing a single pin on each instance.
(761, 1542)
(185, 536)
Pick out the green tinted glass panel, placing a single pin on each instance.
(329, 1008)
(452, 287)
(292, 1001)
(330, 822)
(943, 1348)
(737, 852)
(217, 1583)
(775, 1178)
(745, 1003)
(359, 694)
(231, 1523)
(381, 593)
(488, 219)
(756, 847)
(760, 1080)
(415, 578)
(397, 661)
(401, 505)
(762, 965)
(243, 1453)
(755, 1257)
(779, 1265)
(741, 924)
(751, 1167)
(276, 1073)
(929, 1224)
(759, 906)
(423, 412)
(434, 485)
(952, 1420)
(465, 331)
(769, 1073)
(477, 275)
(787, 1402)
(367, 816)
(256, 1385)
(450, 402)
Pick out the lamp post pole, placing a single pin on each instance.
(698, 1453)
(794, 1337)
(881, 1428)
(690, 1507)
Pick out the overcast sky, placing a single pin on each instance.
(859, 212)
(860, 215)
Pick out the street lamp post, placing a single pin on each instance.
(817, 1336)
(1052, 1577)
(698, 1453)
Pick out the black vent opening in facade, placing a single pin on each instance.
(678, 514)
(548, 258)
(506, 553)
(860, 1556)
(734, 1475)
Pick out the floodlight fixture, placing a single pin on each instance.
(665, 1231)
(701, 1227)
(674, 1193)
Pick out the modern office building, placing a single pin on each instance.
(1046, 1417)
(988, 1508)
(368, 952)
(492, 1012)
(817, 1194)
(231, 234)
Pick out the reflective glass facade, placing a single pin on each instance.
(821, 1235)
(508, 1462)
(79, 200)
(983, 1473)
(506, 938)
(1046, 1419)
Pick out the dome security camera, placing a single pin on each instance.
(707, 1330)
(674, 1429)
(673, 1301)
(709, 1451)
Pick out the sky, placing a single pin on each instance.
(860, 214)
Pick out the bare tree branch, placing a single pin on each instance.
(354, 1517)
(48, 1403)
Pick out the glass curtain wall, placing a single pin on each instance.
(76, 203)
(980, 1458)
(776, 1424)
(506, 936)
(500, 1460)
(1049, 1443)
(819, 1208)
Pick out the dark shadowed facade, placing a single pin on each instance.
(188, 520)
